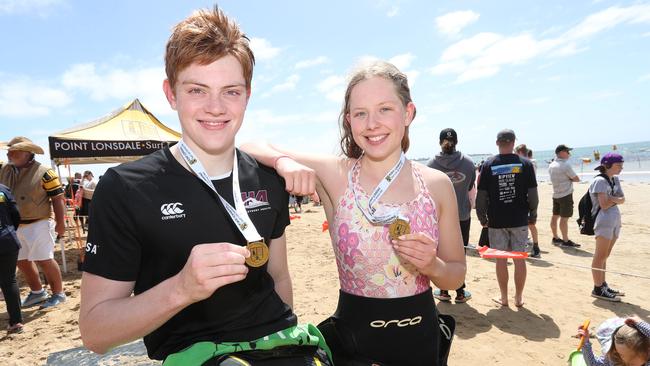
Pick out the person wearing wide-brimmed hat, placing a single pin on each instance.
(35, 187)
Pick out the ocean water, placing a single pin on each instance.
(583, 159)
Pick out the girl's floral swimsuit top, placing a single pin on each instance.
(367, 264)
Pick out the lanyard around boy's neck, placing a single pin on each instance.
(370, 211)
(238, 213)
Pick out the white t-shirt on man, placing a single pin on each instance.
(561, 174)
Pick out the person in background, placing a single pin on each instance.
(462, 173)
(562, 178)
(506, 202)
(606, 196)
(37, 190)
(623, 342)
(88, 184)
(523, 151)
(9, 247)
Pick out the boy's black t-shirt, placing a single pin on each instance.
(147, 216)
(507, 178)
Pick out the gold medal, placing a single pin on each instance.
(259, 253)
(398, 228)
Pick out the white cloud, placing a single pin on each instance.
(454, 67)
(105, 83)
(645, 77)
(451, 24)
(604, 94)
(402, 61)
(393, 11)
(568, 50)
(39, 7)
(312, 62)
(288, 85)
(314, 132)
(26, 98)
(412, 76)
(644, 35)
(535, 101)
(390, 7)
(485, 54)
(607, 19)
(333, 88)
(263, 49)
(470, 47)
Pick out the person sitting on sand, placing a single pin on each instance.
(623, 342)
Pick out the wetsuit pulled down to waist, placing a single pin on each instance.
(388, 332)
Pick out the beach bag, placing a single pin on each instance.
(586, 220)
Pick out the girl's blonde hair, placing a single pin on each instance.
(632, 339)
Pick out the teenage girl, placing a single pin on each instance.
(393, 225)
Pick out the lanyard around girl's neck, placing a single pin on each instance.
(238, 213)
(370, 211)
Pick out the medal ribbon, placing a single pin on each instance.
(238, 213)
(381, 188)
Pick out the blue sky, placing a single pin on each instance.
(574, 72)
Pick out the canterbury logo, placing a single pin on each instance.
(399, 323)
(172, 208)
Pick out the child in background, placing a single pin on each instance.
(623, 341)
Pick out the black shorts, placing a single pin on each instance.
(563, 206)
(387, 332)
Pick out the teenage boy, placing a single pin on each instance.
(208, 272)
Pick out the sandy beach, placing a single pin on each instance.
(557, 296)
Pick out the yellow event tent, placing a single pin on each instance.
(123, 135)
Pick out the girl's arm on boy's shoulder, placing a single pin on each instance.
(300, 170)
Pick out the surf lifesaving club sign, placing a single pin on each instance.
(69, 148)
